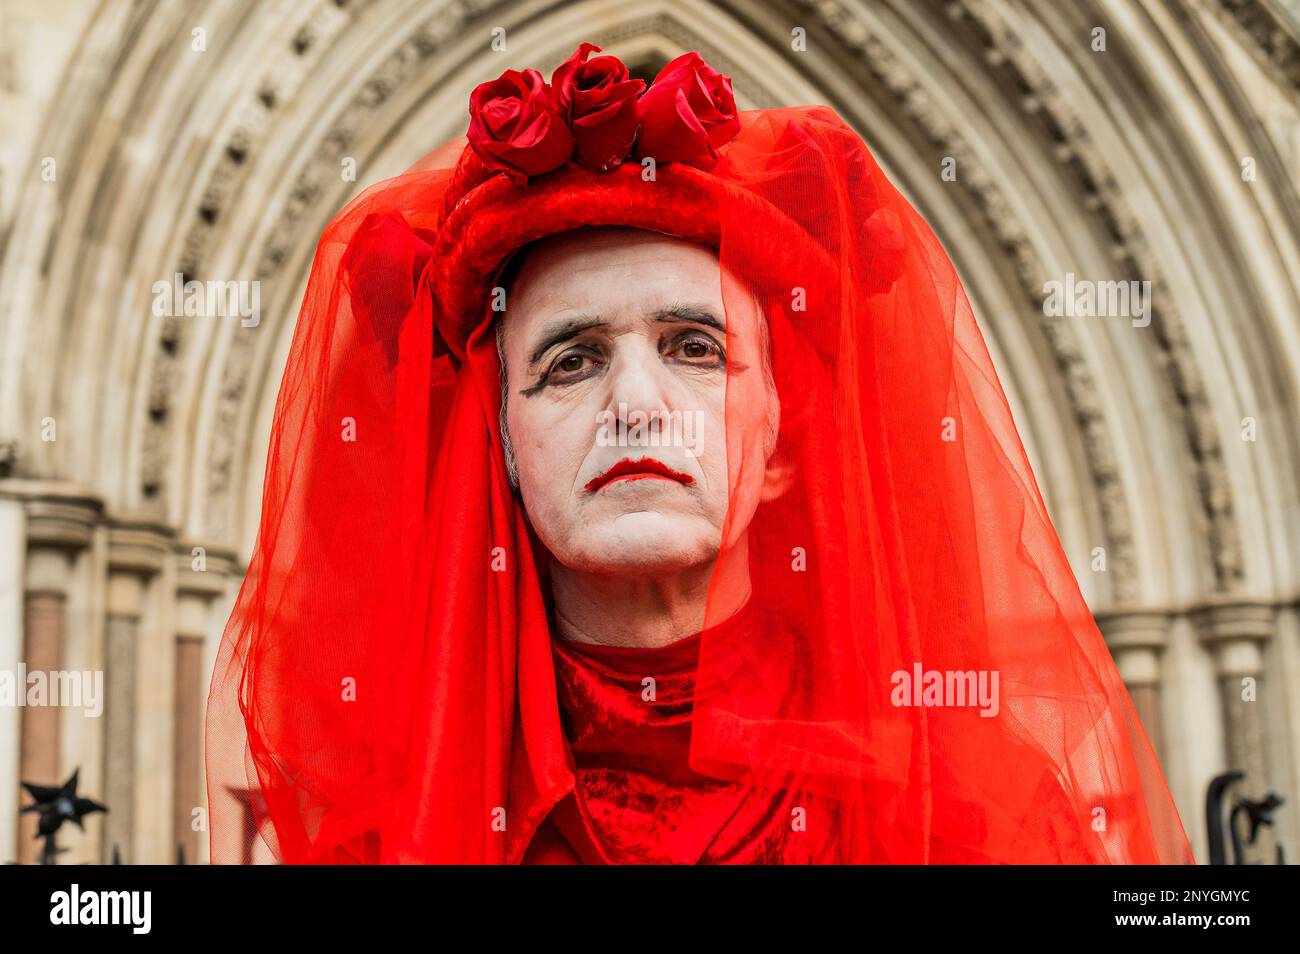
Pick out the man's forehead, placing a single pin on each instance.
(614, 275)
(572, 254)
(558, 279)
(607, 236)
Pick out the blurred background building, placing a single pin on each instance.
(1147, 140)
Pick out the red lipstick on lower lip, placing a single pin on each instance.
(645, 467)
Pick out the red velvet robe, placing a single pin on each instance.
(636, 799)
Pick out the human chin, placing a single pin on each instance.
(646, 541)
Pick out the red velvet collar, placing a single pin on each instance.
(626, 714)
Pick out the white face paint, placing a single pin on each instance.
(617, 348)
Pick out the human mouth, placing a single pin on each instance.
(628, 469)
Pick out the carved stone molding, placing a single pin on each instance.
(58, 516)
(1133, 253)
(1137, 639)
(139, 548)
(316, 182)
(220, 567)
(1235, 619)
(254, 119)
(1081, 387)
(1269, 34)
(1135, 628)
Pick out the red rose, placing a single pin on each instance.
(688, 112)
(515, 127)
(598, 100)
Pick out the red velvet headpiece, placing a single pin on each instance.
(657, 178)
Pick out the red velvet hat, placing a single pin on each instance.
(663, 160)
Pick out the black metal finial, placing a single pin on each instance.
(56, 805)
(1258, 813)
(1214, 798)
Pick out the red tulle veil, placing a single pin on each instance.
(384, 688)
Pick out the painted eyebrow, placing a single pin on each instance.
(696, 314)
(561, 331)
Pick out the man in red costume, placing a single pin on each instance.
(614, 345)
(641, 491)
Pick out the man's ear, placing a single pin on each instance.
(778, 476)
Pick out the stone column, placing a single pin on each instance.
(136, 555)
(59, 526)
(125, 594)
(43, 628)
(1235, 632)
(13, 545)
(187, 767)
(202, 579)
(1137, 639)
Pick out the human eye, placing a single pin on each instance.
(572, 365)
(696, 348)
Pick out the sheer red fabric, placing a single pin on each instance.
(627, 714)
(386, 689)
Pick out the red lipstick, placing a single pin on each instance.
(629, 469)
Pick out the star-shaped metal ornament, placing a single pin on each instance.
(56, 806)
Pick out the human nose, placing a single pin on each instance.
(639, 388)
